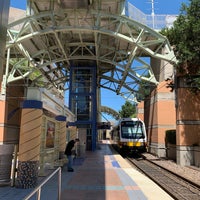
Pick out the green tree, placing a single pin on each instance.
(184, 37)
(127, 110)
(144, 90)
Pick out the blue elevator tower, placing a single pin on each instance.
(83, 100)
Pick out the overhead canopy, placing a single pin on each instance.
(57, 34)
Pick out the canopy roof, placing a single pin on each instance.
(56, 34)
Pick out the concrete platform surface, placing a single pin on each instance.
(100, 175)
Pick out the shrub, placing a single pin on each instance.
(170, 136)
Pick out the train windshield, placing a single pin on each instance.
(132, 129)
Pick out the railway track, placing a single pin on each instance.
(176, 186)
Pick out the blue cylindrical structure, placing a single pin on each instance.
(83, 100)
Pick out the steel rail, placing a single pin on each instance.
(175, 185)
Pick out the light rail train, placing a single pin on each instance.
(129, 135)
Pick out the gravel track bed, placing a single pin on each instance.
(192, 173)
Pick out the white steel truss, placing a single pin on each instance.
(54, 35)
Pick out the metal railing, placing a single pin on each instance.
(37, 190)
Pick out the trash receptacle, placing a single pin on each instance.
(81, 150)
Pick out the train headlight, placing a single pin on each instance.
(130, 144)
(134, 144)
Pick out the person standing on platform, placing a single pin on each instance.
(68, 152)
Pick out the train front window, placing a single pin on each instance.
(132, 130)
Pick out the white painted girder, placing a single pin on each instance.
(113, 42)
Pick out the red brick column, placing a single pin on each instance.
(160, 115)
(188, 124)
(140, 110)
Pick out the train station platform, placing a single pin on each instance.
(99, 175)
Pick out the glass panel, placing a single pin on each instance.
(82, 81)
(132, 130)
(81, 106)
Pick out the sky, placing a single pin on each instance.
(109, 98)
(160, 6)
